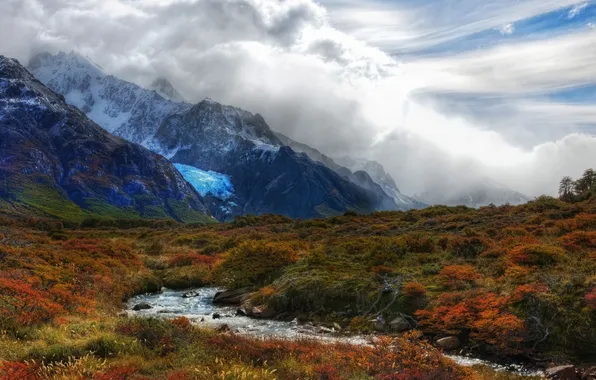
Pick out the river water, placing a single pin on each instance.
(200, 310)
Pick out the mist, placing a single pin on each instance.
(436, 119)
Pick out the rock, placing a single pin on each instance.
(142, 306)
(262, 312)
(563, 372)
(202, 319)
(231, 297)
(216, 316)
(190, 294)
(325, 330)
(336, 327)
(241, 312)
(449, 343)
(399, 324)
(223, 328)
(378, 323)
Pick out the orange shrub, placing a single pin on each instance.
(536, 255)
(458, 276)
(526, 291)
(483, 313)
(414, 289)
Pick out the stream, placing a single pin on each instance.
(200, 310)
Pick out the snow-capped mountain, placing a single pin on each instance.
(380, 176)
(55, 161)
(266, 176)
(164, 88)
(120, 107)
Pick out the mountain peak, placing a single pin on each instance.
(163, 87)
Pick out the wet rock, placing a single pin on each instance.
(142, 306)
(449, 343)
(190, 294)
(241, 312)
(336, 327)
(563, 372)
(379, 324)
(262, 312)
(223, 328)
(325, 330)
(231, 297)
(216, 316)
(399, 324)
(202, 320)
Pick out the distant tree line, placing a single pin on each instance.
(578, 190)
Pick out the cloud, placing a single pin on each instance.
(506, 29)
(434, 122)
(576, 10)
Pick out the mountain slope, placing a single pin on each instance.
(266, 176)
(55, 161)
(369, 175)
(165, 89)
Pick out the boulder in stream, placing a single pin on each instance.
(449, 343)
(142, 306)
(231, 297)
(190, 294)
(216, 316)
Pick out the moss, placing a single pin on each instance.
(184, 213)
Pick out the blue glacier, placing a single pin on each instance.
(207, 182)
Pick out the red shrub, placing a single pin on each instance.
(116, 373)
(591, 299)
(20, 371)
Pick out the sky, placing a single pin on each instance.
(440, 92)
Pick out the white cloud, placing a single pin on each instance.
(506, 29)
(576, 10)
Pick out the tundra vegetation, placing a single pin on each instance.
(506, 281)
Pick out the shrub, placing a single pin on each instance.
(578, 240)
(458, 276)
(254, 263)
(536, 255)
(414, 289)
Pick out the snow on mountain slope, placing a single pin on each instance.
(216, 184)
(164, 88)
(120, 107)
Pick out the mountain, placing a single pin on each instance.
(211, 140)
(54, 161)
(165, 89)
(476, 193)
(371, 176)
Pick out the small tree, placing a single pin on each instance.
(566, 188)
